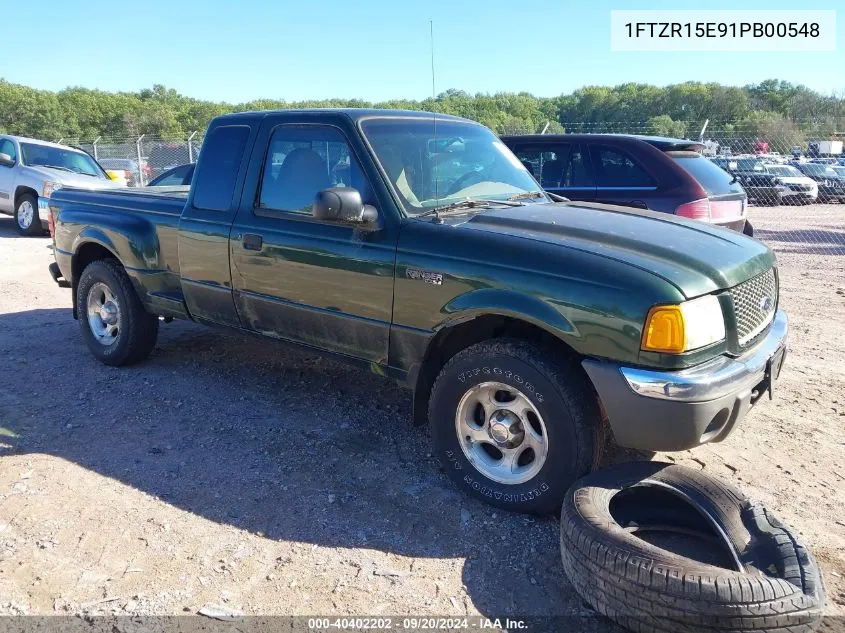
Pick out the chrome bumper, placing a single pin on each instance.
(714, 379)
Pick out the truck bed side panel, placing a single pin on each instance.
(138, 228)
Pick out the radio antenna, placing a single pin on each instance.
(434, 119)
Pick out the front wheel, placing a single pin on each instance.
(26, 215)
(113, 322)
(513, 425)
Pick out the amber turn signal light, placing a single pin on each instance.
(664, 330)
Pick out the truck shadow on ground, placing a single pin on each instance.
(245, 432)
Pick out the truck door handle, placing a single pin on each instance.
(252, 242)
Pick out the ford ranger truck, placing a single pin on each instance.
(418, 247)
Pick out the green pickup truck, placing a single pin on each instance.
(420, 248)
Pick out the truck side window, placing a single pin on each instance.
(303, 160)
(222, 155)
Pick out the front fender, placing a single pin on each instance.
(509, 303)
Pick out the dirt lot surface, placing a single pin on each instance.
(232, 471)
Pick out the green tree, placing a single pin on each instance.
(663, 125)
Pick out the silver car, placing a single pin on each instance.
(31, 170)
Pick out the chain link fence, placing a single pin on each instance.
(142, 159)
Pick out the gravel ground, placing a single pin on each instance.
(233, 471)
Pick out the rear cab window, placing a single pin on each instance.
(713, 179)
(215, 178)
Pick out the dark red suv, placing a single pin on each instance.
(662, 174)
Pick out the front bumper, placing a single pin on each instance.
(676, 410)
(791, 194)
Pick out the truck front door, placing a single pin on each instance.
(319, 283)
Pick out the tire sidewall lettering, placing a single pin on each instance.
(535, 394)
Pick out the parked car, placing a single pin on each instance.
(180, 175)
(422, 250)
(31, 170)
(126, 166)
(662, 174)
(750, 172)
(831, 184)
(798, 188)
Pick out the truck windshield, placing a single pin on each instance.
(461, 160)
(35, 155)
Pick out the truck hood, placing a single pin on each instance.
(695, 257)
(72, 180)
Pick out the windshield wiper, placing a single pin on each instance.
(468, 203)
(59, 167)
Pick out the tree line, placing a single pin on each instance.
(769, 108)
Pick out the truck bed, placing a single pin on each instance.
(167, 200)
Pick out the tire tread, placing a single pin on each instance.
(652, 591)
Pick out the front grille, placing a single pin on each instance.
(799, 187)
(754, 302)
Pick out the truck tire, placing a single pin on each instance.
(114, 324)
(26, 215)
(731, 567)
(514, 425)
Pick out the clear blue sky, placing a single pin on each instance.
(370, 49)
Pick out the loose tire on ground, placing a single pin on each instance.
(27, 220)
(113, 322)
(560, 407)
(775, 584)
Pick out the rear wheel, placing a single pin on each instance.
(26, 215)
(113, 322)
(514, 425)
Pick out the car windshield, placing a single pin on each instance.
(750, 164)
(36, 155)
(816, 169)
(432, 164)
(783, 170)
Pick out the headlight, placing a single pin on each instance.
(674, 329)
(50, 188)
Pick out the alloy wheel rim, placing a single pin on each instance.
(103, 314)
(501, 433)
(26, 213)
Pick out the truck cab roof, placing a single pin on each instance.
(355, 114)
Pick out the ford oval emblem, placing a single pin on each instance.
(766, 304)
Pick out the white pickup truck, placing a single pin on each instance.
(31, 170)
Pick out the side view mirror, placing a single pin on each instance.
(6, 160)
(342, 204)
